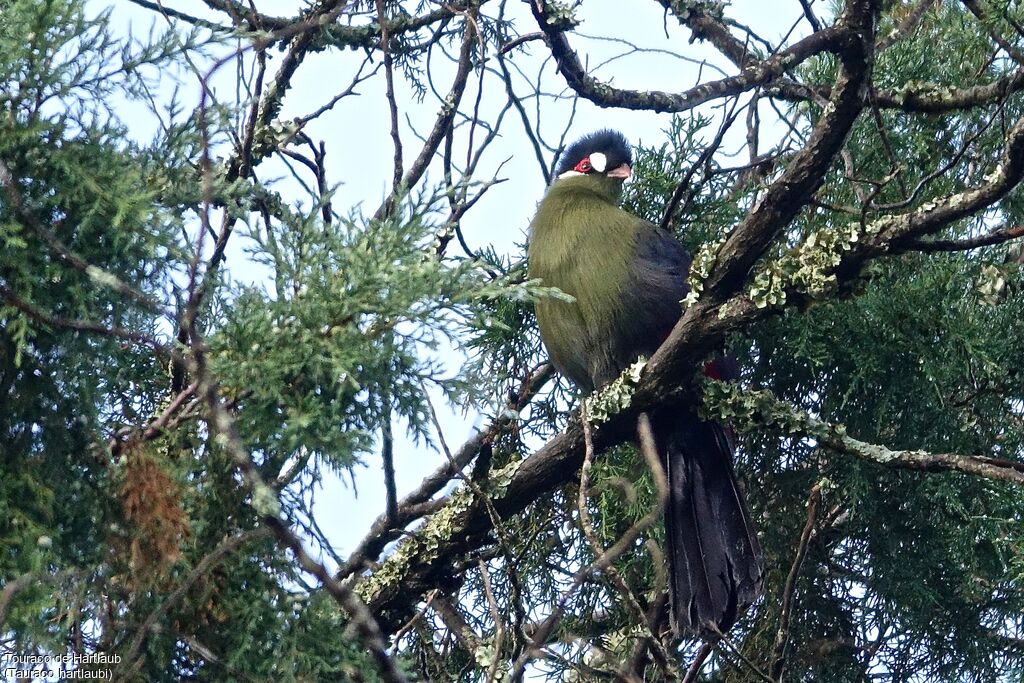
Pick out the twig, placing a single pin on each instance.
(223, 549)
(809, 15)
(389, 79)
(996, 237)
(754, 668)
(705, 156)
(698, 662)
(266, 503)
(95, 273)
(463, 633)
(442, 124)
(12, 299)
(411, 624)
(521, 40)
(778, 658)
(792, 420)
(499, 624)
(603, 561)
(206, 653)
(157, 426)
(909, 23)
(24, 581)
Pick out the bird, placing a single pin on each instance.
(626, 279)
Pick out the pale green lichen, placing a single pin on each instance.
(484, 657)
(769, 285)
(727, 309)
(991, 284)
(499, 480)
(615, 647)
(808, 268)
(561, 16)
(876, 226)
(750, 409)
(102, 277)
(423, 546)
(924, 92)
(616, 397)
(265, 501)
(700, 269)
(684, 9)
(747, 410)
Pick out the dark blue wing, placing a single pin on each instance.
(657, 285)
(651, 300)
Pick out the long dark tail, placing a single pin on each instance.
(715, 564)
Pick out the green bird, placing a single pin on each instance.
(627, 278)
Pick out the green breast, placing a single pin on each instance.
(581, 243)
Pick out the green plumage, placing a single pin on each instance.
(582, 243)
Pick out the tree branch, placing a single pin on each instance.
(750, 409)
(755, 75)
(410, 508)
(988, 240)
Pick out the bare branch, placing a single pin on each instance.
(412, 506)
(778, 657)
(759, 74)
(442, 124)
(987, 240)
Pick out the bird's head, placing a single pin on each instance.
(599, 162)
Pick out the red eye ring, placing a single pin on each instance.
(584, 166)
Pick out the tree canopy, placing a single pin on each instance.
(202, 319)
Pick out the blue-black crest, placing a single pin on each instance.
(611, 143)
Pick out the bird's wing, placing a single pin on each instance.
(650, 301)
(658, 273)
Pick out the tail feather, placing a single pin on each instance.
(715, 563)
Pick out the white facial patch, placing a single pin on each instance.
(599, 162)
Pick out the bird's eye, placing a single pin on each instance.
(584, 166)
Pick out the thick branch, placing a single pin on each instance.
(914, 97)
(805, 174)
(937, 98)
(705, 323)
(463, 525)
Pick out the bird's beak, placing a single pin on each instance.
(623, 171)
